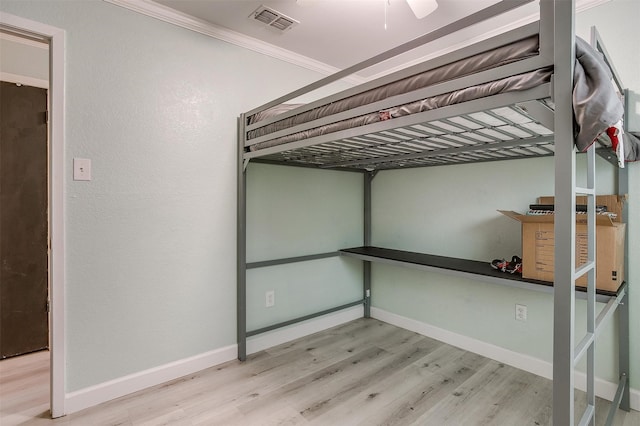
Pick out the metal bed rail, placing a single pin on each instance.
(521, 66)
(303, 318)
(485, 123)
(244, 266)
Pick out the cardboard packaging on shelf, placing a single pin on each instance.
(538, 243)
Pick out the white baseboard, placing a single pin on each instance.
(94, 395)
(103, 392)
(295, 331)
(603, 388)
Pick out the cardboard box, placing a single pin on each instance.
(538, 244)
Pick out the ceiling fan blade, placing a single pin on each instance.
(422, 8)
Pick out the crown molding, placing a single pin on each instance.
(166, 14)
(582, 5)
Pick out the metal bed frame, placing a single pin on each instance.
(501, 127)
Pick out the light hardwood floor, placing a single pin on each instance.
(365, 372)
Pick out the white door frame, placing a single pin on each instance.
(56, 39)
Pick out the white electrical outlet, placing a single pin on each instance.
(521, 312)
(270, 298)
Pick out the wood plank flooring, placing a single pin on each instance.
(365, 372)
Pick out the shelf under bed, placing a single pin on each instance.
(474, 269)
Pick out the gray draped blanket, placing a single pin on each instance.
(596, 104)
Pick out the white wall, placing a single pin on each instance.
(451, 211)
(151, 240)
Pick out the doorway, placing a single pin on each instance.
(55, 39)
(24, 292)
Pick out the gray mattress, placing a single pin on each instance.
(509, 84)
(486, 60)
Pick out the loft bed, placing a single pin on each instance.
(509, 97)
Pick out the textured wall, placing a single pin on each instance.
(294, 212)
(151, 240)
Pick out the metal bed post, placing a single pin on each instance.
(565, 200)
(623, 316)
(622, 398)
(590, 338)
(241, 308)
(623, 354)
(368, 178)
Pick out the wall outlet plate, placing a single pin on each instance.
(270, 298)
(521, 312)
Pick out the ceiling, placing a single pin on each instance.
(341, 33)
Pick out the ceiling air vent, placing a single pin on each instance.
(273, 19)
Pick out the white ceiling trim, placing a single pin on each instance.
(166, 14)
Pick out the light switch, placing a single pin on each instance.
(81, 169)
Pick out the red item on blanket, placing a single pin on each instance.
(384, 115)
(612, 132)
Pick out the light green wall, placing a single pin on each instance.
(295, 212)
(452, 211)
(301, 289)
(151, 240)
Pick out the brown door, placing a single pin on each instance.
(23, 220)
